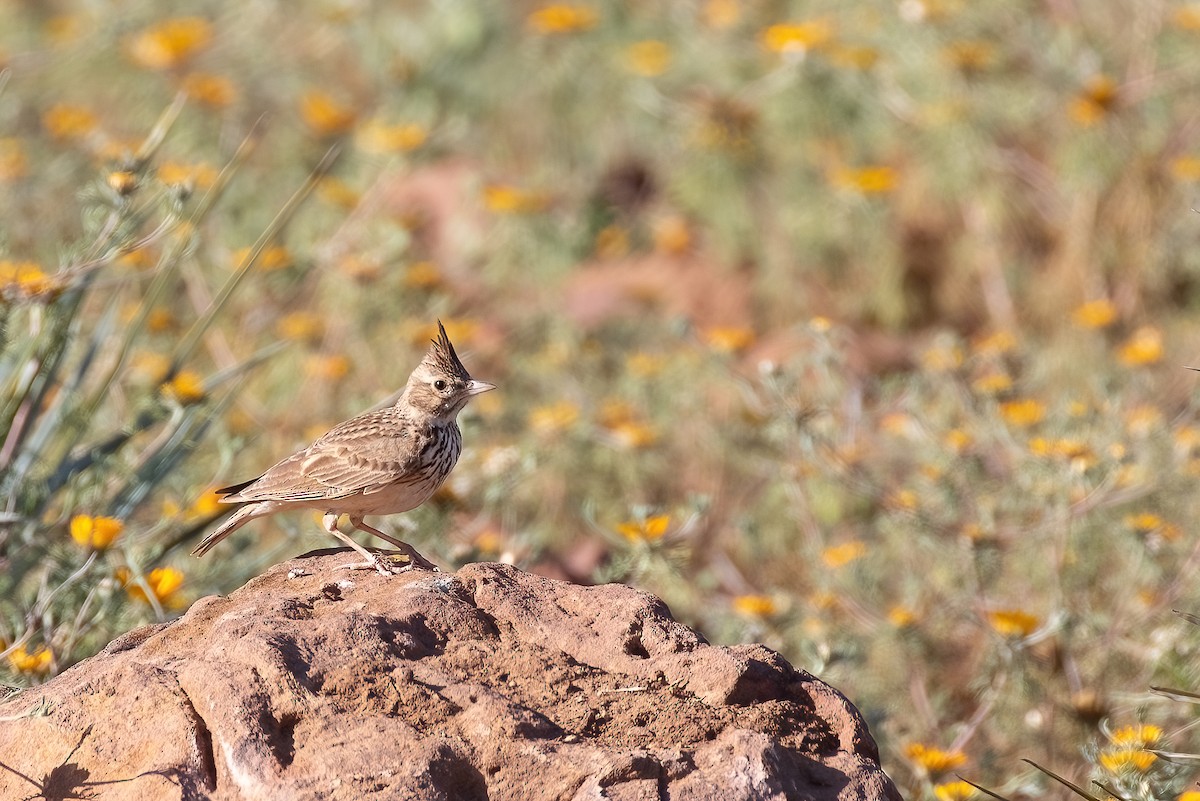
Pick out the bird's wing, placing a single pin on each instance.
(372, 450)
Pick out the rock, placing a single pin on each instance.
(485, 683)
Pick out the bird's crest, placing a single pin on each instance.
(441, 356)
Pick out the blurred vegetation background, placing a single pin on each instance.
(858, 329)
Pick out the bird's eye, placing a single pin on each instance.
(439, 385)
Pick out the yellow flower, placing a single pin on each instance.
(301, 326)
(672, 235)
(650, 528)
(1142, 419)
(612, 242)
(1012, 622)
(836, 556)
(953, 791)
(549, 420)
(174, 173)
(901, 617)
(942, 358)
(207, 505)
(1095, 314)
(96, 533)
(933, 760)
(562, 18)
(1187, 18)
(379, 137)
(337, 192)
(1119, 760)
(27, 279)
(331, 367)
(1186, 168)
(1099, 96)
(164, 583)
(970, 56)
(994, 383)
(215, 91)
(645, 364)
(755, 605)
(728, 339)
(958, 440)
(36, 662)
(1079, 454)
(184, 388)
(1144, 346)
(648, 58)
(423, 275)
(996, 343)
(1189, 795)
(1139, 736)
(169, 43)
(324, 114)
(506, 199)
(13, 163)
(63, 29)
(64, 122)
(904, 500)
(633, 434)
(721, 14)
(797, 37)
(1023, 413)
(870, 180)
(273, 257)
(858, 57)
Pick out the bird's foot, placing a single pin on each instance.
(382, 564)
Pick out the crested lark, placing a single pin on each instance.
(378, 463)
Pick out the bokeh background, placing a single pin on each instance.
(856, 328)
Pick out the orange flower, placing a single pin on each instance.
(95, 533)
(301, 326)
(797, 37)
(506, 199)
(1023, 413)
(562, 18)
(728, 339)
(379, 137)
(36, 662)
(1012, 622)
(755, 605)
(836, 556)
(64, 122)
(870, 180)
(648, 58)
(1095, 314)
(185, 388)
(175, 173)
(324, 114)
(933, 760)
(1098, 98)
(332, 367)
(215, 91)
(13, 163)
(164, 584)
(273, 257)
(169, 43)
(647, 529)
(1144, 347)
(721, 14)
(550, 420)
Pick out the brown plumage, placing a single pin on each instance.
(378, 463)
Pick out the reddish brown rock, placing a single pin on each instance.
(312, 683)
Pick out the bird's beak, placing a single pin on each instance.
(479, 387)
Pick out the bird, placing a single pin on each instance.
(381, 462)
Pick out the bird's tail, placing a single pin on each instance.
(240, 518)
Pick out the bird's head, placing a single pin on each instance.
(441, 385)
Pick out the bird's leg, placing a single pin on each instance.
(415, 559)
(373, 562)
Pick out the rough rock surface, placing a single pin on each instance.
(315, 683)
